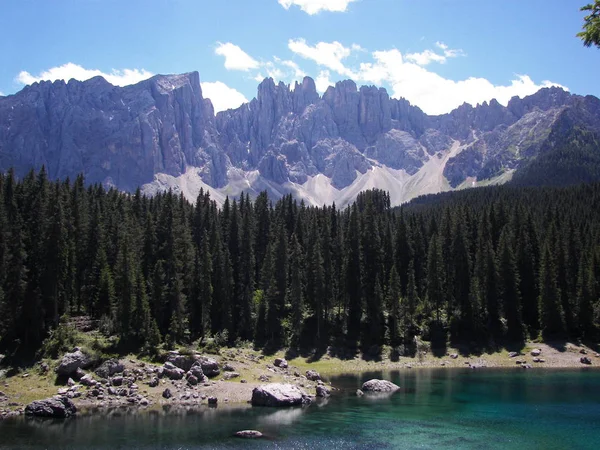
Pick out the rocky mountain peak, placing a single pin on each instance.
(287, 139)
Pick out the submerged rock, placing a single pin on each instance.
(379, 386)
(323, 391)
(57, 406)
(278, 394)
(249, 434)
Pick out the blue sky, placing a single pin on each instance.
(436, 53)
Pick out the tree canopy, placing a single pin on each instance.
(591, 25)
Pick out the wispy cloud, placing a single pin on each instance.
(316, 6)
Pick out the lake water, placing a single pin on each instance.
(438, 408)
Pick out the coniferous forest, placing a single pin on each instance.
(485, 267)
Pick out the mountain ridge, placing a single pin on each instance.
(162, 134)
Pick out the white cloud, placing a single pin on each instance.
(327, 54)
(316, 6)
(429, 56)
(222, 96)
(406, 76)
(425, 57)
(68, 71)
(235, 57)
(323, 81)
(1, 94)
(435, 94)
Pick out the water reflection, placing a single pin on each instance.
(452, 408)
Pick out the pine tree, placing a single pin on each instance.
(393, 306)
(352, 275)
(586, 296)
(509, 294)
(435, 279)
(295, 293)
(551, 314)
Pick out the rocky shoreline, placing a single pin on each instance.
(193, 380)
(185, 380)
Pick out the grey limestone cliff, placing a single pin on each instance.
(126, 136)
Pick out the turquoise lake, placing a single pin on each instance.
(437, 408)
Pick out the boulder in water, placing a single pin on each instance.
(323, 391)
(249, 434)
(379, 386)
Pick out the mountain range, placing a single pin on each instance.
(163, 134)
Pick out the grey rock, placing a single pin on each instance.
(536, 352)
(227, 367)
(379, 386)
(109, 368)
(323, 391)
(153, 382)
(280, 362)
(163, 126)
(359, 393)
(210, 367)
(398, 150)
(313, 375)
(248, 434)
(184, 362)
(196, 370)
(70, 362)
(230, 375)
(278, 394)
(192, 380)
(212, 400)
(57, 406)
(167, 393)
(585, 360)
(117, 381)
(172, 372)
